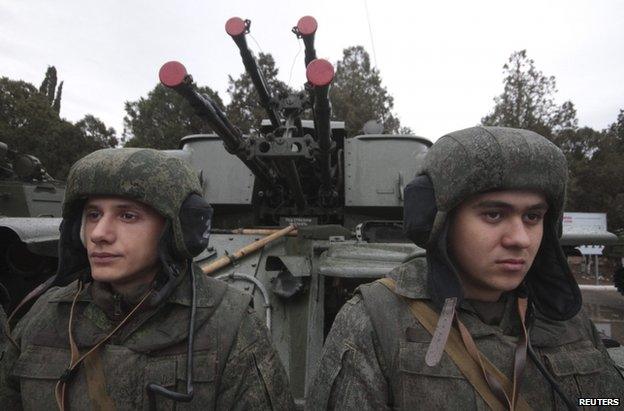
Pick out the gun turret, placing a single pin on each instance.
(297, 165)
(173, 74)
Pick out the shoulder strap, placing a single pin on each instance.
(460, 356)
(96, 383)
(387, 327)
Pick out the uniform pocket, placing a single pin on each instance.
(582, 373)
(440, 387)
(38, 369)
(581, 362)
(170, 372)
(204, 375)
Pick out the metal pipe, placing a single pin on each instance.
(237, 28)
(305, 29)
(174, 75)
(320, 74)
(257, 283)
(294, 183)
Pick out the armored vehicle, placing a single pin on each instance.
(30, 210)
(26, 189)
(344, 195)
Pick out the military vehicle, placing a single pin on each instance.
(344, 196)
(26, 189)
(30, 210)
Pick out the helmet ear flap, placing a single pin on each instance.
(195, 221)
(72, 253)
(419, 210)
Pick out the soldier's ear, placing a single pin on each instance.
(419, 210)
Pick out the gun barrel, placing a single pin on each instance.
(174, 75)
(305, 29)
(320, 74)
(237, 28)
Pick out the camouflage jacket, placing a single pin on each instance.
(235, 365)
(3, 333)
(374, 355)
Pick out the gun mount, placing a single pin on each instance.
(296, 168)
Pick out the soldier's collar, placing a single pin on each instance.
(411, 279)
(67, 293)
(181, 294)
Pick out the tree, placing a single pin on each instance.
(49, 90)
(596, 174)
(30, 125)
(95, 133)
(357, 94)
(527, 100)
(26, 119)
(244, 110)
(162, 119)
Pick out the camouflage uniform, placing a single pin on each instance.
(234, 364)
(374, 355)
(357, 373)
(3, 333)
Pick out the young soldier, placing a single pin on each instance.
(141, 327)
(491, 317)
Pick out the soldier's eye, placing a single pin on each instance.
(92, 215)
(533, 218)
(129, 216)
(492, 216)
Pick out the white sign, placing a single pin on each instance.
(585, 223)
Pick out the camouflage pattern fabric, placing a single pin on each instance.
(146, 175)
(373, 358)
(480, 159)
(3, 333)
(235, 365)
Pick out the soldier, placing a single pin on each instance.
(453, 330)
(141, 327)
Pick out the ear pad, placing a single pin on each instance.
(72, 253)
(419, 210)
(195, 219)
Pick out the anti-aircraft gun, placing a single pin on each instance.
(345, 195)
(301, 170)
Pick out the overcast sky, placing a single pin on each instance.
(441, 60)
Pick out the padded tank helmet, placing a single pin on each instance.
(481, 159)
(166, 183)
